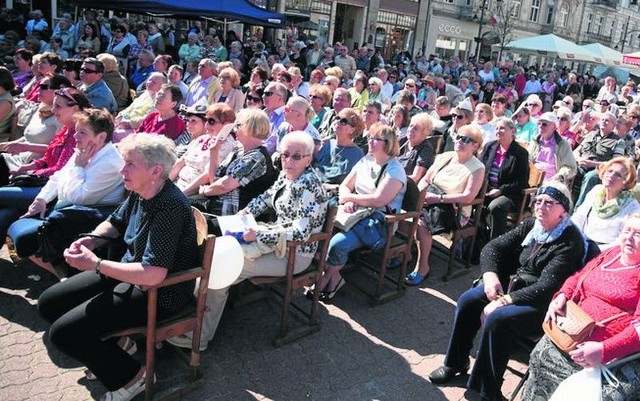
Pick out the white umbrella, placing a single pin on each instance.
(606, 55)
(551, 46)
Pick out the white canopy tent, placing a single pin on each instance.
(607, 55)
(551, 46)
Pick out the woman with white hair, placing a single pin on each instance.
(376, 93)
(298, 114)
(129, 119)
(189, 51)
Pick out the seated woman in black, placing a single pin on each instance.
(157, 226)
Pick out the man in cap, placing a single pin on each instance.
(551, 152)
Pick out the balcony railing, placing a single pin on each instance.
(606, 3)
(598, 38)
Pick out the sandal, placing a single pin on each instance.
(415, 278)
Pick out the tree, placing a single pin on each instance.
(504, 19)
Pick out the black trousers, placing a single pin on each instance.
(84, 308)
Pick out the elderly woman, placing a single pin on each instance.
(190, 51)
(378, 181)
(606, 207)
(136, 48)
(606, 288)
(507, 169)
(399, 116)
(483, 120)
(129, 119)
(416, 152)
(461, 115)
(115, 80)
(165, 121)
(229, 92)
(540, 253)
(243, 175)
(376, 93)
(87, 189)
(454, 177)
(298, 115)
(526, 130)
(336, 157)
(195, 120)
(156, 224)
(320, 99)
(300, 205)
(550, 152)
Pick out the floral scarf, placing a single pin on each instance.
(606, 208)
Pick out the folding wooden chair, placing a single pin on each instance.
(399, 245)
(293, 282)
(536, 178)
(189, 320)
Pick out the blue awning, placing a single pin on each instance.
(240, 10)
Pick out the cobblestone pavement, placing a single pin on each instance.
(361, 352)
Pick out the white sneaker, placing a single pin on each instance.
(127, 393)
(184, 341)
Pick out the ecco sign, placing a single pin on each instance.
(449, 29)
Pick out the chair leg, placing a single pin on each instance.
(519, 386)
(286, 307)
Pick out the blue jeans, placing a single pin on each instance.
(340, 245)
(496, 339)
(14, 202)
(590, 180)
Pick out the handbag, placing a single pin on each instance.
(441, 217)
(576, 326)
(345, 221)
(28, 181)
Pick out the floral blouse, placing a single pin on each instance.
(300, 205)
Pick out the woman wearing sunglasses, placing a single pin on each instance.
(336, 157)
(521, 271)
(454, 177)
(377, 181)
(15, 200)
(460, 116)
(253, 98)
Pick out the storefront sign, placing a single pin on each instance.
(450, 28)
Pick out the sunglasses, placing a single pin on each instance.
(254, 99)
(543, 124)
(457, 116)
(465, 139)
(344, 121)
(211, 121)
(316, 97)
(296, 156)
(45, 87)
(67, 95)
(269, 93)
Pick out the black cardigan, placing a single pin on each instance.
(513, 176)
(545, 271)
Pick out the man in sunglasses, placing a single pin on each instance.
(341, 100)
(97, 91)
(274, 98)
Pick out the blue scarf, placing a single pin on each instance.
(540, 236)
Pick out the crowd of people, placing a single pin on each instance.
(117, 126)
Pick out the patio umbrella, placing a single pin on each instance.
(631, 58)
(604, 54)
(552, 46)
(620, 74)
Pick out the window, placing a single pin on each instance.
(612, 28)
(589, 22)
(535, 10)
(598, 25)
(564, 17)
(469, 2)
(549, 16)
(448, 1)
(515, 8)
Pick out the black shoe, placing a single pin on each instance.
(309, 294)
(444, 373)
(327, 296)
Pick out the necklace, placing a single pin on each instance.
(335, 154)
(612, 261)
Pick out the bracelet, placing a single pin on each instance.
(98, 262)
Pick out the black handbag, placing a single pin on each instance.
(441, 217)
(28, 181)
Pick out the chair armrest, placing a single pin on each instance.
(393, 218)
(179, 277)
(530, 191)
(312, 238)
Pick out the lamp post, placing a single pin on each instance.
(480, 23)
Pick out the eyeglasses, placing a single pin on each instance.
(211, 121)
(67, 95)
(45, 87)
(543, 124)
(254, 99)
(372, 139)
(296, 156)
(546, 203)
(344, 121)
(88, 71)
(465, 139)
(269, 93)
(630, 233)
